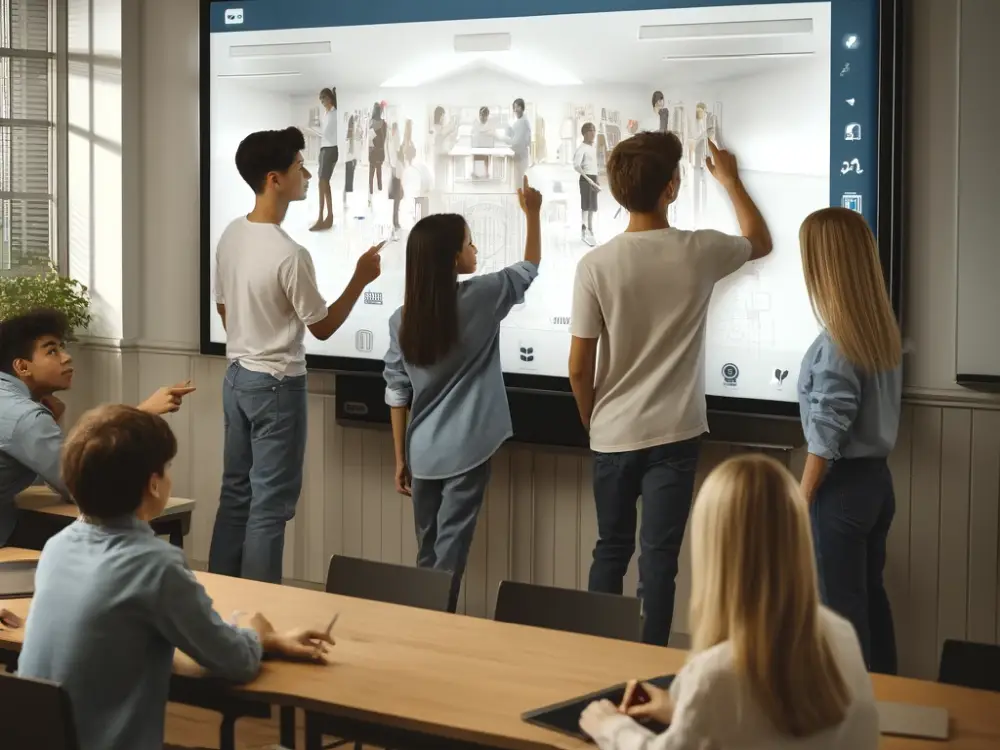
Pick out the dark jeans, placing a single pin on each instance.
(664, 477)
(851, 515)
(263, 452)
(444, 515)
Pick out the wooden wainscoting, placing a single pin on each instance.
(538, 522)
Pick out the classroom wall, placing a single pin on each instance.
(538, 523)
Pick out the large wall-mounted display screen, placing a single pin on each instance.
(791, 87)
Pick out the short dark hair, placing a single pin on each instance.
(20, 334)
(429, 328)
(110, 456)
(484, 111)
(519, 103)
(587, 126)
(657, 97)
(268, 151)
(641, 167)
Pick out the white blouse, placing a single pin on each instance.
(714, 709)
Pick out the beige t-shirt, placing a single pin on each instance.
(267, 282)
(645, 295)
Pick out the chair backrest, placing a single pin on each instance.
(36, 713)
(973, 665)
(424, 588)
(586, 612)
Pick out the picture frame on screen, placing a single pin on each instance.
(808, 95)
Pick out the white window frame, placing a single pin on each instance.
(58, 143)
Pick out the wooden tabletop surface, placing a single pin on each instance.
(44, 500)
(469, 678)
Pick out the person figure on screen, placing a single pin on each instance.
(769, 666)
(657, 122)
(850, 391)
(113, 602)
(699, 153)
(519, 138)
(266, 294)
(351, 162)
(328, 154)
(443, 133)
(443, 371)
(483, 136)
(34, 367)
(397, 166)
(585, 163)
(643, 399)
(377, 134)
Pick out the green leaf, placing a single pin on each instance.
(22, 294)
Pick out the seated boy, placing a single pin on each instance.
(644, 296)
(112, 601)
(34, 366)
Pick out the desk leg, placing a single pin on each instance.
(286, 727)
(177, 537)
(227, 733)
(314, 733)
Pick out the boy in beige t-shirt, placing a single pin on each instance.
(643, 299)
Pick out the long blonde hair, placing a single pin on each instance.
(754, 585)
(847, 290)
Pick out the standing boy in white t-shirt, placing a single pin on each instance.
(266, 294)
(643, 298)
(585, 163)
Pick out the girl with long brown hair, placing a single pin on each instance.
(850, 391)
(769, 666)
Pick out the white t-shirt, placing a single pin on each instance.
(329, 129)
(645, 295)
(267, 282)
(714, 707)
(519, 135)
(585, 159)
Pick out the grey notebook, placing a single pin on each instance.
(906, 720)
(17, 579)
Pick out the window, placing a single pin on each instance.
(29, 190)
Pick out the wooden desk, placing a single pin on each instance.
(42, 513)
(414, 678)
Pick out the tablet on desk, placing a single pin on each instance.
(565, 717)
(17, 579)
(920, 722)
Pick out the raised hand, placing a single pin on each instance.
(529, 198)
(369, 265)
(722, 165)
(167, 399)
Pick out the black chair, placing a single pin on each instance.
(585, 612)
(37, 714)
(423, 588)
(972, 665)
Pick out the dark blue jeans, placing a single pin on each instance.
(444, 515)
(664, 477)
(851, 515)
(263, 453)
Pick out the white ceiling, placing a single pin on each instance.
(594, 48)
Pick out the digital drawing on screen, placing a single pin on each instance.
(403, 119)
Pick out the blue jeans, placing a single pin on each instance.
(664, 477)
(265, 444)
(444, 516)
(851, 515)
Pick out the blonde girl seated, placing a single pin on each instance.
(769, 666)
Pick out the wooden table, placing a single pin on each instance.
(413, 678)
(42, 513)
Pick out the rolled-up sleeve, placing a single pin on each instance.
(834, 398)
(398, 389)
(186, 618)
(512, 284)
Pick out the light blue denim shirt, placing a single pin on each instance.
(459, 415)
(111, 603)
(847, 413)
(30, 446)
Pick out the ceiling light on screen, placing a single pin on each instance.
(517, 64)
(725, 30)
(723, 58)
(277, 74)
(297, 49)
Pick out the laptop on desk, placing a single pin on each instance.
(906, 720)
(17, 579)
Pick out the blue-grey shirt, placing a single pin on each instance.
(847, 413)
(111, 603)
(459, 415)
(30, 446)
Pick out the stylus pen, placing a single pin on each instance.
(333, 621)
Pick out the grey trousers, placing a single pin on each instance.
(444, 515)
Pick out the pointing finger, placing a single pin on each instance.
(711, 145)
(526, 187)
(374, 250)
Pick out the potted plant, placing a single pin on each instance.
(21, 294)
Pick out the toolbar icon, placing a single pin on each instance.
(852, 166)
(851, 201)
(850, 102)
(845, 70)
(852, 41)
(852, 132)
(234, 16)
